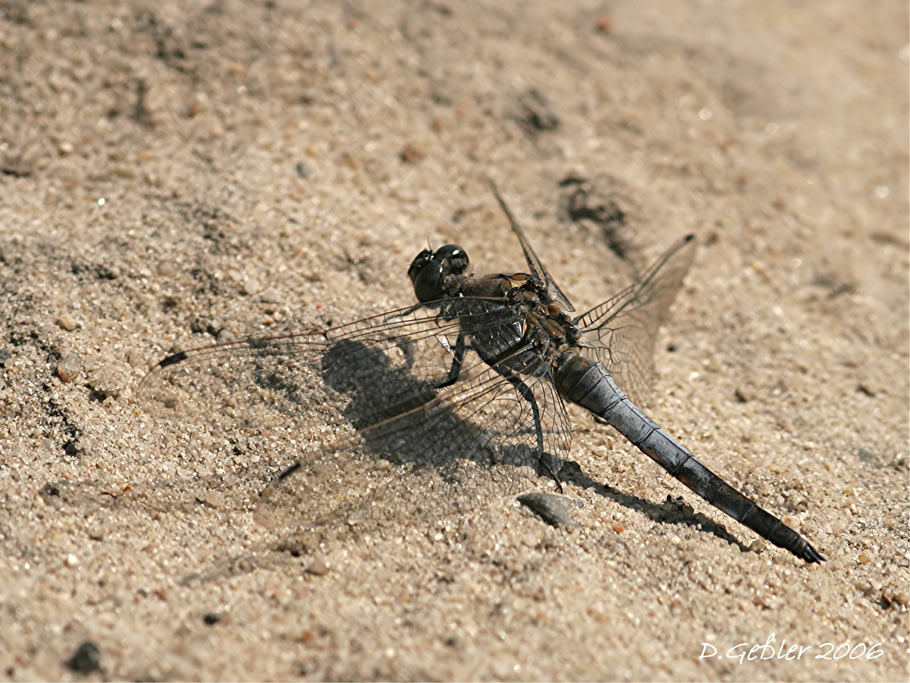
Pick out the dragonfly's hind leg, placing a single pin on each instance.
(457, 360)
(528, 395)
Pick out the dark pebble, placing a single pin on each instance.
(86, 659)
(551, 507)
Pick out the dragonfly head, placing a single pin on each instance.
(430, 269)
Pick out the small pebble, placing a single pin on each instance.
(272, 296)
(196, 105)
(869, 457)
(411, 153)
(67, 322)
(897, 595)
(71, 560)
(251, 286)
(214, 499)
(86, 659)
(537, 114)
(864, 389)
(166, 269)
(317, 567)
(211, 618)
(744, 394)
(97, 531)
(107, 380)
(551, 508)
(69, 367)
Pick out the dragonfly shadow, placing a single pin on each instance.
(416, 455)
(402, 420)
(405, 419)
(442, 454)
(671, 511)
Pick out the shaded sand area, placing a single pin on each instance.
(174, 174)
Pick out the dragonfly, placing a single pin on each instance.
(457, 397)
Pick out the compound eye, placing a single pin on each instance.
(429, 270)
(427, 280)
(421, 260)
(454, 259)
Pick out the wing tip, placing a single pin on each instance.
(173, 359)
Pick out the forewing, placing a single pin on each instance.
(535, 265)
(376, 440)
(266, 381)
(620, 332)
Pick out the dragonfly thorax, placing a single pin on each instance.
(528, 332)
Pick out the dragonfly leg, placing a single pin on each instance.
(528, 395)
(457, 360)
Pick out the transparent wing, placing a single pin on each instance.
(620, 332)
(378, 443)
(471, 444)
(534, 263)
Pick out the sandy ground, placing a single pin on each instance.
(177, 173)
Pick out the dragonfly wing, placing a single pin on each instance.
(620, 332)
(259, 382)
(535, 265)
(360, 407)
(472, 443)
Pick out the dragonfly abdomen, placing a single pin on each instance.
(587, 383)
